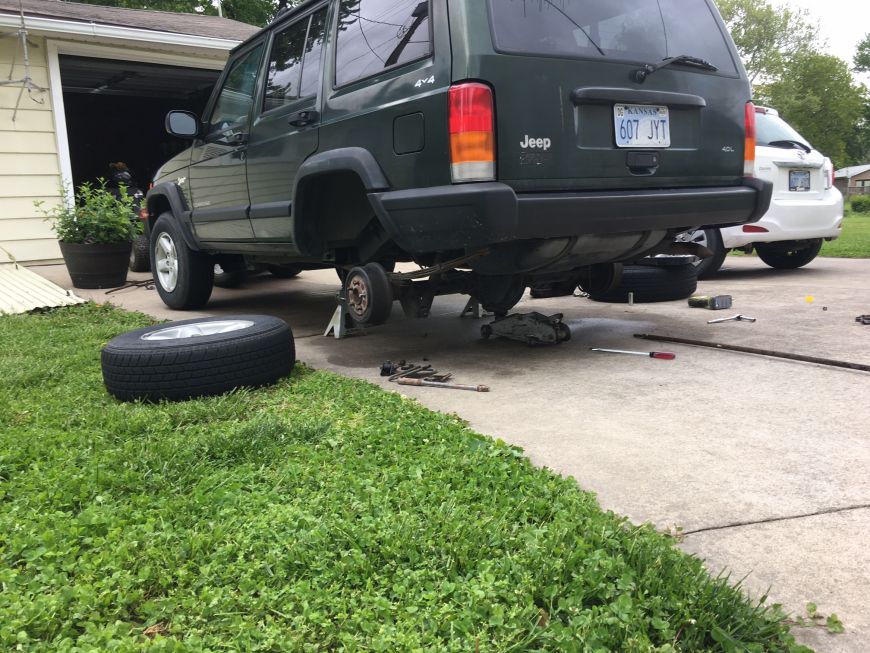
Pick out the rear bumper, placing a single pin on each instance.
(475, 215)
(793, 219)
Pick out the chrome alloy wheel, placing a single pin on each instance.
(198, 329)
(166, 262)
(697, 236)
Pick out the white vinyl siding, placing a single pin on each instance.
(29, 168)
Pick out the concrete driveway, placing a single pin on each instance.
(763, 464)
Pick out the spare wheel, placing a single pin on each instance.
(198, 357)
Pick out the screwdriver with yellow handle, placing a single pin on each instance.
(661, 355)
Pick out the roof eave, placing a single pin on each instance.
(52, 26)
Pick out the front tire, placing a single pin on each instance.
(788, 259)
(230, 271)
(183, 278)
(284, 271)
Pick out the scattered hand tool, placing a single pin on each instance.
(411, 370)
(388, 368)
(733, 318)
(863, 319)
(713, 303)
(423, 376)
(760, 352)
(438, 384)
(661, 355)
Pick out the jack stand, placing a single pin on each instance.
(341, 325)
(473, 309)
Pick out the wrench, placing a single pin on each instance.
(733, 318)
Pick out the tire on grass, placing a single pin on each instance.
(652, 283)
(197, 358)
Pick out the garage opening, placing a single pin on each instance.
(115, 112)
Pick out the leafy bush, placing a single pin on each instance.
(98, 216)
(861, 204)
(322, 514)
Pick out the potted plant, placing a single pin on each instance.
(96, 234)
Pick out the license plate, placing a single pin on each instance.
(799, 180)
(641, 125)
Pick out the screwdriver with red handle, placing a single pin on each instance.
(662, 355)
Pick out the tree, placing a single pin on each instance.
(862, 56)
(767, 37)
(818, 96)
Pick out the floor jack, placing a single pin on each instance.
(530, 328)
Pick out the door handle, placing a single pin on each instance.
(236, 138)
(304, 118)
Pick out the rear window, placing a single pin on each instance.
(773, 129)
(644, 31)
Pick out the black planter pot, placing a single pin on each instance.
(96, 266)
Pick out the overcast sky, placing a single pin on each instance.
(842, 23)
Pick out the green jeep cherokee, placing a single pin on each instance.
(495, 143)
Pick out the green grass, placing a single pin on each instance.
(322, 514)
(855, 241)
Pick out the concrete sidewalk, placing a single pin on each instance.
(764, 464)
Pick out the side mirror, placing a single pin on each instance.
(182, 124)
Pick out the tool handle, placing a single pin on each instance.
(663, 355)
(422, 383)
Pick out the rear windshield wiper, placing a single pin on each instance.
(578, 26)
(683, 60)
(785, 142)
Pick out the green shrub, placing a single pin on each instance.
(861, 204)
(98, 216)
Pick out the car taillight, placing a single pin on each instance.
(829, 174)
(753, 229)
(472, 133)
(749, 148)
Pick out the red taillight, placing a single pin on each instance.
(749, 147)
(472, 133)
(752, 229)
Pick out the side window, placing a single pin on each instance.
(294, 63)
(313, 55)
(236, 98)
(374, 35)
(285, 66)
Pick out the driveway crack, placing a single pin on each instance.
(771, 520)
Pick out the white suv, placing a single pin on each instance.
(806, 208)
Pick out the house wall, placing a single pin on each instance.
(29, 166)
(860, 184)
